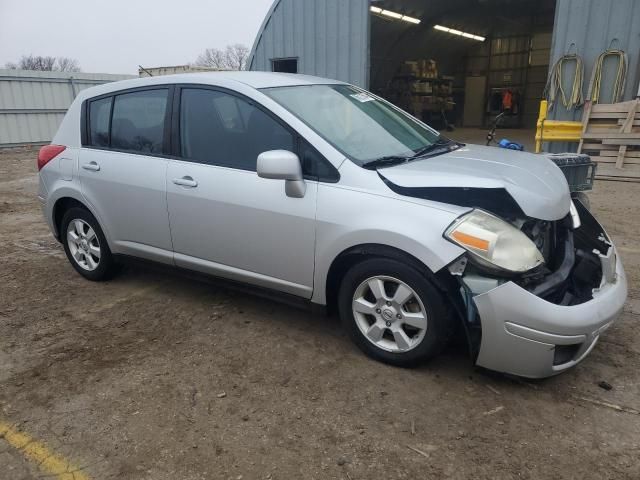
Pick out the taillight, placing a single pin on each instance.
(48, 153)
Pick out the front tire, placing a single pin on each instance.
(86, 246)
(393, 312)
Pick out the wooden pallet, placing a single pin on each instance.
(611, 136)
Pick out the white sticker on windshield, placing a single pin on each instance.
(362, 97)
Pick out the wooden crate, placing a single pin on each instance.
(611, 136)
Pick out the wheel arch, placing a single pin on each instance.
(358, 253)
(441, 279)
(63, 204)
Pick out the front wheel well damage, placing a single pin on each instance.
(354, 255)
(442, 279)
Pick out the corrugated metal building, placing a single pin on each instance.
(326, 37)
(367, 42)
(33, 103)
(594, 26)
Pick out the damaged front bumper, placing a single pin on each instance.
(539, 325)
(528, 336)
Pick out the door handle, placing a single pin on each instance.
(93, 166)
(186, 181)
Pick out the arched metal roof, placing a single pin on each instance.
(258, 38)
(330, 38)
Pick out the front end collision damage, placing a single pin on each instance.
(541, 323)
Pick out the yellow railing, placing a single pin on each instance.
(555, 130)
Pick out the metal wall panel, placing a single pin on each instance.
(330, 38)
(593, 26)
(32, 104)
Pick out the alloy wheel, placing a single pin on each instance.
(83, 244)
(390, 314)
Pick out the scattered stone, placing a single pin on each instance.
(494, 410)
(245, 418)
(342, 461)
(605, 385)
(222, 395)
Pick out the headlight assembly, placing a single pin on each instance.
(494, 242)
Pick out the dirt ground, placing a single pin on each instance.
(155, 376)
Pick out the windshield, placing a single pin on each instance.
(362, 127)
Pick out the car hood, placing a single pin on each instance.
(534, 182)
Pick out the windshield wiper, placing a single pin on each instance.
(442, 145)
(386, 161)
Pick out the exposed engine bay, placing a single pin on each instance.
(572, 266)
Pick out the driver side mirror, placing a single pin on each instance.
(283, 165)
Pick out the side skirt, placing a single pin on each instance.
(262, 292)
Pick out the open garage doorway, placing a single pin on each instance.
(458, 64)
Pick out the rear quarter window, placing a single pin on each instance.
(138, 121)
(99, 115)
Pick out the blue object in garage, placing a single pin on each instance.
(504, 143)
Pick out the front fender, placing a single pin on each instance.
(348, 218)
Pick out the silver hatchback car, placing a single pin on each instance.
(319, 190)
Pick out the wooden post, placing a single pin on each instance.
(626, 128)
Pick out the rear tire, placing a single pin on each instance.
(393, 312)
(86, 246)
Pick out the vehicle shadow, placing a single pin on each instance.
(321, 327)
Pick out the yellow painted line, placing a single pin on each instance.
(51, 464)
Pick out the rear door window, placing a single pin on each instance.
(138, 121)
(217, 128)
(99, 115)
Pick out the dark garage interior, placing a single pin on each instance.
(465, 62)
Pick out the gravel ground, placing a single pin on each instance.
(155, 376)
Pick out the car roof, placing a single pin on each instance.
(252, 79)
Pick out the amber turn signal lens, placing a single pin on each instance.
(471, 241)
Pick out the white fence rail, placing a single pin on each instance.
(32, 104)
